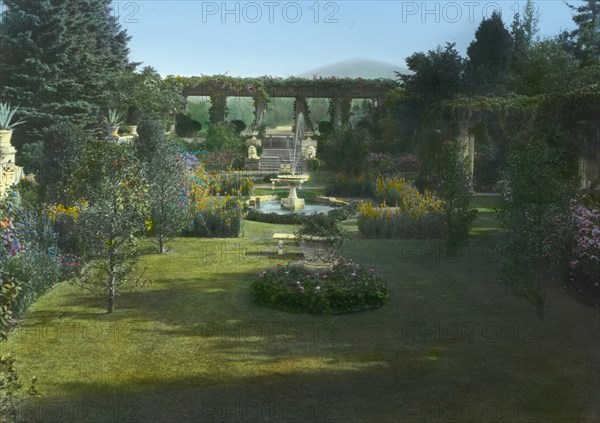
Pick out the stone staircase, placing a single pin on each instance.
(277, 150)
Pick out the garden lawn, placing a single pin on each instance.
(450, 345)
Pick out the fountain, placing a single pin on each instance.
(291, 180)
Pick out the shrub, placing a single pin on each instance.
(452, 183)
(28, 253)
(239, 126)
(393, 222)
(221, 159)
(585, 267)
(345, 212)
(346, 288)
(216, 221)
(186, 126)
(403, 194)
(388, 165)
(213, 183)
(351, 187)
(222, 136)
(322, 225)
(64, 220)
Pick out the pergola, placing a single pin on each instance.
(341, 92)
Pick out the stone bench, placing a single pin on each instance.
(280, 238)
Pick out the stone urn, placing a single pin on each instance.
(133, 130)
(7, 151)
(113, 131)
(5, 136)
(319, 252)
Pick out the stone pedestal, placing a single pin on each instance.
(292, 202)
(10, 174)
(251, 164)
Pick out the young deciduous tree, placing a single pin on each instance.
(535, 219)
(112, 223)
(165, 176)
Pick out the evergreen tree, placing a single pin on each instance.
(523, 32)
(60, 60)
(437, 74)
(586, 37)
(490, 53)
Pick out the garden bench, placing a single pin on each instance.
(280, 238)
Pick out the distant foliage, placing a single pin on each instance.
(348, 186)
(389, 165)
(345, 150)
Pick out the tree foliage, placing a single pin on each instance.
(62, 150)
(586, 37)
(535, 219)
(490, 53)
(113, 221)
(164, 174)
(60, 60)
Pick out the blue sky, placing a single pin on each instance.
(283, 38)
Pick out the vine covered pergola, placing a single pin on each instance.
(340, 91)
(577, 111)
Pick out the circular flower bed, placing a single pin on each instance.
(346, 288)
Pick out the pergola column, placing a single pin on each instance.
(260, 106)
(218, 108)
(377, 101)
(341, 111)
(467, 139)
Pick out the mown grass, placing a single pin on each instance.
(450, 345)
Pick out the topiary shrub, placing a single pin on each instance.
(186, 126)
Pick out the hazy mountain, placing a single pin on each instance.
(356, 68)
